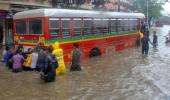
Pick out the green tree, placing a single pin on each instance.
(154, 8)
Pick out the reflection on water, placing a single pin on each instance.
(123, 76)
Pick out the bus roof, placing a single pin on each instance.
(75, 13)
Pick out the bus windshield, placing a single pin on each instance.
(35, 26)
(21, 27)
(29, 27)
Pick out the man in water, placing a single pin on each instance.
(75, 62)
(145, 45)
(49, 70)
(167, 37)
(155, 39)
(143, 27)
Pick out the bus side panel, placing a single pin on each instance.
(46, 28)
(118, 42)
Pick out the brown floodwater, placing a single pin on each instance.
(118, 76)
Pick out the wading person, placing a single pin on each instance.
(155, 39)
(49, 70)
(143, 27)
(141, 34)
(27, 63)
(147, 32)
(18, 60)
(41, 59)
(167, 37)
(58, 52)
(145, 45)
(75, 61)
(7, 57)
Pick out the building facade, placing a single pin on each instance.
(119, 5)
(8, 8)
(112, 5)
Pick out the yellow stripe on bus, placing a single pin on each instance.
(95, 38)
(27, 43)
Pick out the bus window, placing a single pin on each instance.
(119, 25)
(126, 25)
(113, 25)
(35, 27)
(87, 26)
(20, 27)
(105, 26)
(54, 28)
(97, 26)
(133, 24)
(65, 27)
(77, 27)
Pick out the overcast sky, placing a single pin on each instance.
(166, 9)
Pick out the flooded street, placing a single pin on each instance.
(119, 76)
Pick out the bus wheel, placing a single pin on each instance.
(95, 52)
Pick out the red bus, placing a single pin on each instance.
(97, 32)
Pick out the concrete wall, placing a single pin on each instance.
(13, 6)
(44, 3)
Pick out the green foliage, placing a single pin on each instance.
(154, 7)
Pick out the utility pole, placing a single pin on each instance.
(147, 14)
(118, 5)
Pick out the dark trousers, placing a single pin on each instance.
(75, 67)
(154, 45)
(138, 42)
(145, 51)
(39, 67)
(50, 77)
(9, 64)
(17, 70)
